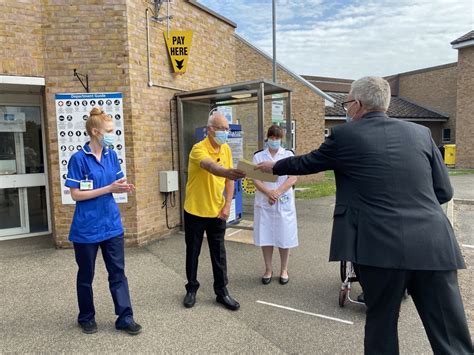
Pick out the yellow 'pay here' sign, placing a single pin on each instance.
(179, 46)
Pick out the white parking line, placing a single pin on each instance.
(468, 246)
(308, 313)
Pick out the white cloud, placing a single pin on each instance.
(350, 40)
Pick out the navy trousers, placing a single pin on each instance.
(195, 227)
(438, 302)
(113, 254)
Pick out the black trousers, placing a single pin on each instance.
(195, 227)
(438, 301)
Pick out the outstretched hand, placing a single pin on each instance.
(235, 174)
(266, 167)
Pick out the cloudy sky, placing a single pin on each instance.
(353, 38)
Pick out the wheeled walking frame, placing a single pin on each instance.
(348, 276)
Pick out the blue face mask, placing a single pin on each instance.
(274, 144)
(107, 139)
(221, 137)
(348, 118)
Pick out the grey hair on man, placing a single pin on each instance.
(373, 92)
(213, 115)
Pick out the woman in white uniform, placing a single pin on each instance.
(274, 210)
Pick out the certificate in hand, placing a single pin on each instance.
(250, 172)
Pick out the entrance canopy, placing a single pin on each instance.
(252, 105)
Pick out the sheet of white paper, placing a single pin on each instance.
(251, 173)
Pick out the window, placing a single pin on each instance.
(446, 135)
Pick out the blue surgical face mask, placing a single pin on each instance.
(107, 139)
(348, 118)
(221, 137)
(274, 144)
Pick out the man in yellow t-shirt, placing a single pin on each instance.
(207, 207)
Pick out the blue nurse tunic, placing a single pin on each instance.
(97, 219)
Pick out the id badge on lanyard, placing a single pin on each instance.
(86, 184)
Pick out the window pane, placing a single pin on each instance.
(7, 153)
(27, 121)
(37, 209)
(10, 216)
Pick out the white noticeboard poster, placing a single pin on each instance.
(72, 111)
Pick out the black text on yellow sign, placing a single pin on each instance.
(179, 46)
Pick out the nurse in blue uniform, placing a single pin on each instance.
(94, 174)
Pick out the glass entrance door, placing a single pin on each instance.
(23, 198)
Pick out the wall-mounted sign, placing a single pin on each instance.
(179, 46)
(72, 111)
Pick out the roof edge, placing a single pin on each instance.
(417, 71)
(425, 107)
(213, 13)
(290, 72)
(463, 44)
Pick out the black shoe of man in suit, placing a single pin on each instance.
(189, 299)
(228, 302)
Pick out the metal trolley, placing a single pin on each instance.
(348, 276)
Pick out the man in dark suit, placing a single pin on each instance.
(391, 182)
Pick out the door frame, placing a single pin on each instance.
(31, 100)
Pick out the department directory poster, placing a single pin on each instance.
(72, 111)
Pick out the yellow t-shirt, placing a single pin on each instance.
(204, 191)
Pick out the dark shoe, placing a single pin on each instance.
(133, 328)
(361, 298)
(89, 327)
(284, 280)
(266, 280)
(228, 302)
(189, 299)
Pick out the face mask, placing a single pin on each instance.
(348, 118)
(274, 144)
(107, 139)
(221, 137)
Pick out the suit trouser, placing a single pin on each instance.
(438, 301)
(113, 255)
(195, 227)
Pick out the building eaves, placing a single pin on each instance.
(213, 13)
(468, 37)
(297, 77)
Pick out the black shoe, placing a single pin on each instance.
(189, 299)
(266, 280)
(284, 280)
(89, 327)
(228, 302)
(361, 298)
(133, 328)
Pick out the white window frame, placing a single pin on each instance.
(30, 100)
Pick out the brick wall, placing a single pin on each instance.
(91, 37)
(21, 38)
(465, 109)
(434, 88)
(307, 106)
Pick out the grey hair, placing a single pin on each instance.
(373, 92)
(212, 117)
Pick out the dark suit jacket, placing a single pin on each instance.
(390, 180)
